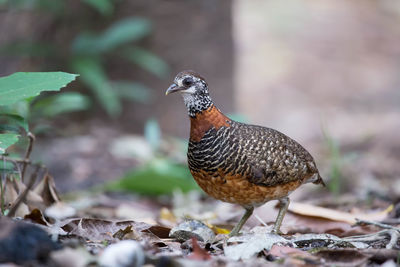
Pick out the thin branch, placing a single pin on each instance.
(23, 195)
(381, 225)
(27, 154)
(17, 161)
(13, 160)
(2, 189)
(393, 234)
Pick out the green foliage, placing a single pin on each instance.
(335, 182)
(119, 33)
(12, 122)
(60, 103)
(94, 76)
(89, 52)
(159, 176)
(104, 7)
(338, 160)
(131, 91)
(23, 85)
(7, 140)
(17, 90)
(146, 60)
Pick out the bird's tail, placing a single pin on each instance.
(319, 180)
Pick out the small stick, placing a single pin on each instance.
(381, 225)
(23, 195)
(27, 161)
(392, 233)
(27, 154)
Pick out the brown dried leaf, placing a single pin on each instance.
(284, 251)
(295, 223)
(10, 196)
(47, 190)
(343, 257)
(32, 198)
(293, 256)
(121, 233)
(198, 252)
(159, 231)
(334, 215)
(36, 216)
(98, 229)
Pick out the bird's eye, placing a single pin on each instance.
(187, 82)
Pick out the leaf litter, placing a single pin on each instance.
(95, 229)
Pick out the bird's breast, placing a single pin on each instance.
(206, 120)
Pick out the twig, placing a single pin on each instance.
(27, 161)
(23, 195)
(381, 225)
(2, 189)
(394, 236)
(15, 161)
(391, 221)
(392, 233)
(27, 154)
(260, 220)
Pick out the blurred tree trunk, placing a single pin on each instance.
(193, 35)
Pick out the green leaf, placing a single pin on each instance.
(61, 103)
(20, 108)
(23, 85)
(119, 33)
(7, 140)
(6, 167)
(158, 177)
(14, 121)
(146, 60)
(132, 91)
(104, 7)
(94, 76)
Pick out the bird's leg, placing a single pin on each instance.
(283, 206)
(242, 221)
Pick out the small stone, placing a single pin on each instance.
(123, 254)
(192, 228)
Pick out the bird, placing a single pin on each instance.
(240, 163)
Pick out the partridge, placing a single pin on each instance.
(237, 162)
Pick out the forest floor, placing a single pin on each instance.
(113, 228)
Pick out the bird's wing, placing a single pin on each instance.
(274, 158)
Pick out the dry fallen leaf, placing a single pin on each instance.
(293, 256)
(36, 216)
(198, 253)
(334, 215)
(46, 188)
(284, 251)
(10, 196)
(99, 230)
(248, 245)
(342, 257)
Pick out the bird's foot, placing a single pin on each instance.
(276, 232)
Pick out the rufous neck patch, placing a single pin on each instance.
(205, 120)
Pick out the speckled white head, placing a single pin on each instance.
(194, 91)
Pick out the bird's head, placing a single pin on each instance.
(194, 91)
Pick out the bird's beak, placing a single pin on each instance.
(173, 88)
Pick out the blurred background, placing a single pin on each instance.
(325, 73)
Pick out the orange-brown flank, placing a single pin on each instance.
(237, 189)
